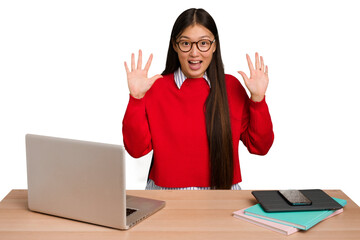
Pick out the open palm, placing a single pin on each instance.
(259, 79)
(138, 81)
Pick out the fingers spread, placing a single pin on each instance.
(126, 68)
(243, 75)
(147, 66)
(132, 62)
(257, 65)
(139, 64)
(251, 67)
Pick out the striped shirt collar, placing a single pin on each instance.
(180, 78)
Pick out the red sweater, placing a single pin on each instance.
(171, 122)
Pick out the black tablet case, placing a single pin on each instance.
(273, 201)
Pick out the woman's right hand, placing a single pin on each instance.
(137, 79)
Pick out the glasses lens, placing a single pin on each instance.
(184, 46)
(203, 45)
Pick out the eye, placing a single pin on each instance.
(204, 43)
(184, 43)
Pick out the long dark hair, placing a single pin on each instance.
(216, 106)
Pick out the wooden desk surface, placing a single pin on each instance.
(187, 215)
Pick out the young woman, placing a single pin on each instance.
(194, 115)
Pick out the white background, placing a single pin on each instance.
(62, 74)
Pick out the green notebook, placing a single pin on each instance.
(302, 220)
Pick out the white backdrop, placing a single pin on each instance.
(62, 74)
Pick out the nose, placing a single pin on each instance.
(194, 51)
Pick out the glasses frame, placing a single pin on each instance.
(196, 43)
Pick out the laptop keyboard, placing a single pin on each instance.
(130, 211)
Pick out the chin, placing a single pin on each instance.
(195, 74)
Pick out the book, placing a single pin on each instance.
(302, 220)
(277, 227)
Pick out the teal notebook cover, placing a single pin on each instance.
(302, 220)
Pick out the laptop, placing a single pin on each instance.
(84, 181)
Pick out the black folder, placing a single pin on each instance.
(272, 201)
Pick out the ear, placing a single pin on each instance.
(214, 46)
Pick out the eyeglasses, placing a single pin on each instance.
(203, 45)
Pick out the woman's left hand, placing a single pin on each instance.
(259, 79)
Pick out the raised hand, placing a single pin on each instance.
(137, 79)
(259, 79)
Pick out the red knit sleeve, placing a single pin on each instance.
(258, 136)
(136, 133)
(256, 131)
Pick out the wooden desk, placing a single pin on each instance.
(187, 215)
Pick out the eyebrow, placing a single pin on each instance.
(202, 37)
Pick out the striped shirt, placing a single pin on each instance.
(152, 186)
(180, 78)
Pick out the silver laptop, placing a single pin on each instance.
(84, 181)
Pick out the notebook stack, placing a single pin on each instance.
(275, 213)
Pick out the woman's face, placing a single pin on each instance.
(195, 62)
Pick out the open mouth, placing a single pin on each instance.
(195, 65)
